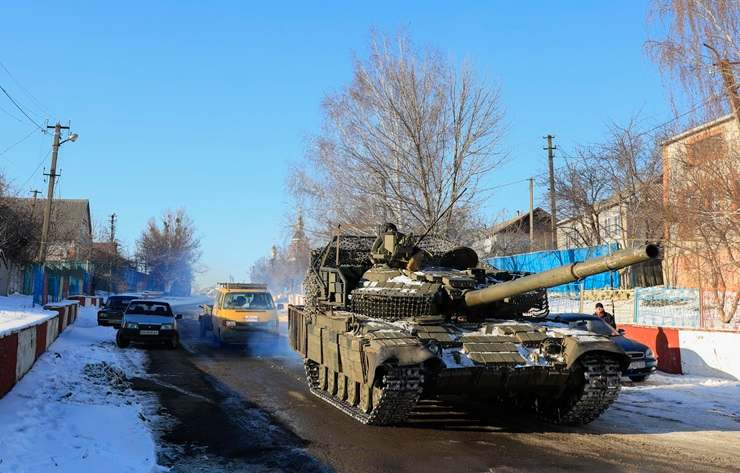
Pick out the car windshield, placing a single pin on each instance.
(248, 301)
(593, 325)
(149, 308)
(118, 302)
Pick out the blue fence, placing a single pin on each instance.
(543, 260)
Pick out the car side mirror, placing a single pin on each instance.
(621, 331)
(178, 316)
(281, 307)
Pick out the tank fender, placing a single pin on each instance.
(403, 352)
(575, 347)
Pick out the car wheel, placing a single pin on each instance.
(638, 379)
(121, 341)
(173, 344)
(217, 338)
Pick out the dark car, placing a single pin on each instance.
(112, 312)
(148, 321)
(643, 361)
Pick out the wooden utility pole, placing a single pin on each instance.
(113, 228)
(50, 191)
(553, 215)
(531, 213)
(114, 252)
(35, 197)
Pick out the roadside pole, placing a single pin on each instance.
(52, 174)
(550, 158)
(50, 191)
(531, 213)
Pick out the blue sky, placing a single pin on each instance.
(207, 106)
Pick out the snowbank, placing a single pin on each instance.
(18, 312)
(74, 411)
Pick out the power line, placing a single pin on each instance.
(21, 109)
(11, 115)
(488, 189)
(38, 166)
(17, 142)
(25, 90)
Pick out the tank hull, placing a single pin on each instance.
(350, 359)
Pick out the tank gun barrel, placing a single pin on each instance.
(561, 275)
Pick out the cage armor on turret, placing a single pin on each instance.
(392, 319)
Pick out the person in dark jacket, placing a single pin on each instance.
(605, 316)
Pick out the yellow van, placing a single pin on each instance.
(238, 309)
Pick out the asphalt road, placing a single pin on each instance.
(441, 437)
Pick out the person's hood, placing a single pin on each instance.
(148, 319)
(628, 344)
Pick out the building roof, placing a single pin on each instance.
(68, 216)
(539, 214)
(698, 129)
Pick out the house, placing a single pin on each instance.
(67, 268)
(512, 236)
(626, 219)
(701, 171)
(620, 221)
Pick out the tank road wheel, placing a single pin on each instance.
(366, 398)
(388, 401)
(593, 387)
(341, 387)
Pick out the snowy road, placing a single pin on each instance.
(88, 406)
(668, 424)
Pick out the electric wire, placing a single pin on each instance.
(18, 142)
(26, 91)
(11, 115)
(21, 109)
(38, 166)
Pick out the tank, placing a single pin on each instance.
(395, 319)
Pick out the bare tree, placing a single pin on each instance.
(612, 190)
(170, 251)
(694, 35)
(400, 143)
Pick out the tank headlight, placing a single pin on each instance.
(132, 325)
(434, 347)
(230, 323)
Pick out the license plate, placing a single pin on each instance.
(252, 318)
(148, 332)
(636, 365)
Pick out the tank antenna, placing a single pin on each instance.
(439, 217)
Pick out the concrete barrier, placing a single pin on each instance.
(86, 301)
(691, 351)
(19, 349)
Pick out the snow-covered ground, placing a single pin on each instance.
(667, 402)
(18, 312)
(74, 411)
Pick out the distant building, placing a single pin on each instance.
(67, 268)
(709, 153)
(512, 236)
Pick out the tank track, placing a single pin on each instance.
(600, 390)
(391, 404)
